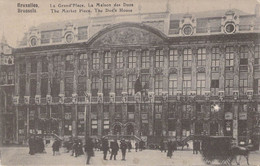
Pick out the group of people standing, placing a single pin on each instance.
(36, 145)
(170, 146)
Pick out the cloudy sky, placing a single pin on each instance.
(14, 24)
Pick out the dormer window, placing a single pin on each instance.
(33, 41)
(187, 30)
(69, 38)
(230, 28)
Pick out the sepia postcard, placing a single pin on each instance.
(129, 82)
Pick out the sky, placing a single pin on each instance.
(14, 25)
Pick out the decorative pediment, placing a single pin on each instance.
(127, 36)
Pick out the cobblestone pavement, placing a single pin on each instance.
(20, 156)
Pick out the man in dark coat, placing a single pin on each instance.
(114, 149)
(129, 146)
(89, 149)
(55, 146)
(31, 143)
(162, 148)
(136, 146)
(141, 145)
(105, 148)
(170, 149)
(123, 147)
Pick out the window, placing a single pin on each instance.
(82, 33)
(94, 86)
(131, 83)
(229, 86)
(107, 60)
(81, 114)
(106, 127)
(159, 59)
(33, 65)
(173, 58)
(33, 85)
(119, 85)
(158, 84)
(56, 63)
(214, 87)
(82, 85)
(22, 68)
(119, 60)
(44, 87)
(243, 85)
(229, 58)
(67, 120)
(10, 77)
(22, 83)
(215, 59)
(257, 55)
(68, 86)
(118, 111)
(256, 86)
(130, 111)
(187, 57)
(145, 81)
(243, 58)
(173, 84)
(3, 78)
(44, 64)
(186, 87)
(145, 59)
(55, 87)
(201, 83)
(132, 59)
(69, 63)
(172, 111)
(106, 85)
(201, 58)
(95, 60)
(83, 62)
(94, 127)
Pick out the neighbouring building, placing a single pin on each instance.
(200, 75)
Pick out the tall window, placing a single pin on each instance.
(145, 59)
(22, 68)
(107, 85)
(33, 85)
(95, 61)
(94, 86)
(229, 58)
(201, 58)
(68, 86)
(158, 84)
(119, 85)
(44, 64)
(243, 85)
(201, 83)
(132, 59)
(214, 87)
(186, 87)
(33, 65)
(173, 84)
(243, 58)
(187, 57)
(83, 62)
(229, 83)
(55, 87)
(44, 87)
(256, 86)
(145, 81)
(131, 84)
(107, 60)
(82, 86)
(215, 59)
(69, 63)
(257, 55)
(119, 60)
(10, 77)
(22, 83)
(159, 59)
(56, 63)
(173, 58)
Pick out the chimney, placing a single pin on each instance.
(257, 10)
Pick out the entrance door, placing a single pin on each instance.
(117, 129)
(214, 129)
(130, 129)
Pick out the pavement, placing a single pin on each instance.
(19, 156)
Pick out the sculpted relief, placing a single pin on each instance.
(127, 36)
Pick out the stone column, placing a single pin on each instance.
(194, 69)
(208, 68)
(222, 68)
(62, 91)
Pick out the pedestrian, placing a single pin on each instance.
(195, 147)
(129, 146)
(75, 148)
(114, 149)
(105, 148)
(141, 145)
(123, 147)
(56, 146)
(89, 145)
(170, 149)
(162, 148)
(31, 143)
(79, 148)
(136, 146)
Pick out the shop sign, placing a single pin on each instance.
(228, 116)
(242, 116)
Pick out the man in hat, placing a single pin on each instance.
(114, 149)
(123, 147)
(105, 148)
